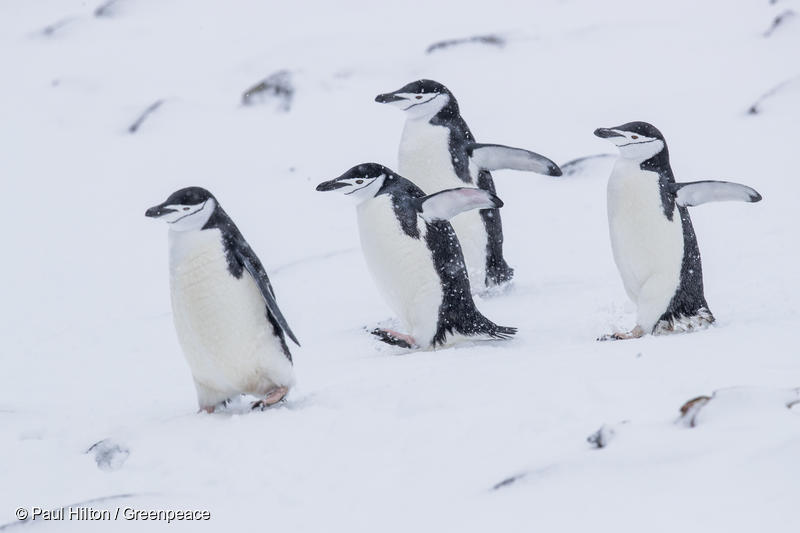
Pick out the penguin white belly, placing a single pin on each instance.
(425, 160)
(221, 322)
(647, 247)
(402, 267)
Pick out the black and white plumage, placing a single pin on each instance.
(438, 152)
(654, 244)
(415, 257)
(228, 322)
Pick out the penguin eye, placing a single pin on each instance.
(634, 136)
(185, 208)
(359, 181)
(418, 97)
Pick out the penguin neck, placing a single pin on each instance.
(219, 219)
(659, 163)
(449, 113)
(218, 226)
(396, 185)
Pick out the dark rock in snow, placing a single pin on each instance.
(508, 481)
(779, 21)
(491, 40)
(739, 403)
(784, 86)
(690, 409)
(106, 9)
(51, 29)
(601, 437)
(133, 128)
(276, 88)
(109, 454)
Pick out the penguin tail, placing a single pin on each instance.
(684, 323)
(483, 327)
(501, 332)
(476, 327)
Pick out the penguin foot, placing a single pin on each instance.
(212, 408)
(274, 396)
(498, 274)
(394, 338)
(635, 333)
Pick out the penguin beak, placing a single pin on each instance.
(157, 211)
(387, 98)
(605, 133)
(331, 185)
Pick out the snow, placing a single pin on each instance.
(373, 439)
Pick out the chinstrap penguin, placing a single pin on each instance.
(438, 152)
(227, 319)
(652, 237)
(414, 255)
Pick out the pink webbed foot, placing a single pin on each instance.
(394, 338)
(635, 333)
(213, 408)
(274, 396)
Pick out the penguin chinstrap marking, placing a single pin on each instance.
(415, 257)
(228, 322)
(652, 238)
(438, 152)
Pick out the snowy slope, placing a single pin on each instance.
(373, 439)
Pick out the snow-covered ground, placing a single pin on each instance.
(373, 439)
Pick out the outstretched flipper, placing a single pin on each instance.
(703, 192)
(575, 166)
(446, 204)
(497, 156)
(251, 263)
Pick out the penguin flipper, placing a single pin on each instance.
(496, 157)
(253, 266)
(701, 192)
(446, 204)
(578, 165)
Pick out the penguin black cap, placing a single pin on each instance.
(415, 87)
(187, 196)
(641, 128)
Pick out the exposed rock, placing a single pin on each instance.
(491, 40)
(109, 454)
(107, 8)
(508, 481)
(779, 21)
(133, 128)
(277, 88)
(604, 435)
(51, 29)
(690, 409)
(785, 86)
(739, 403)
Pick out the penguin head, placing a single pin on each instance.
(185, 210)
(360, 182)
(421, 98)
(635, 140)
